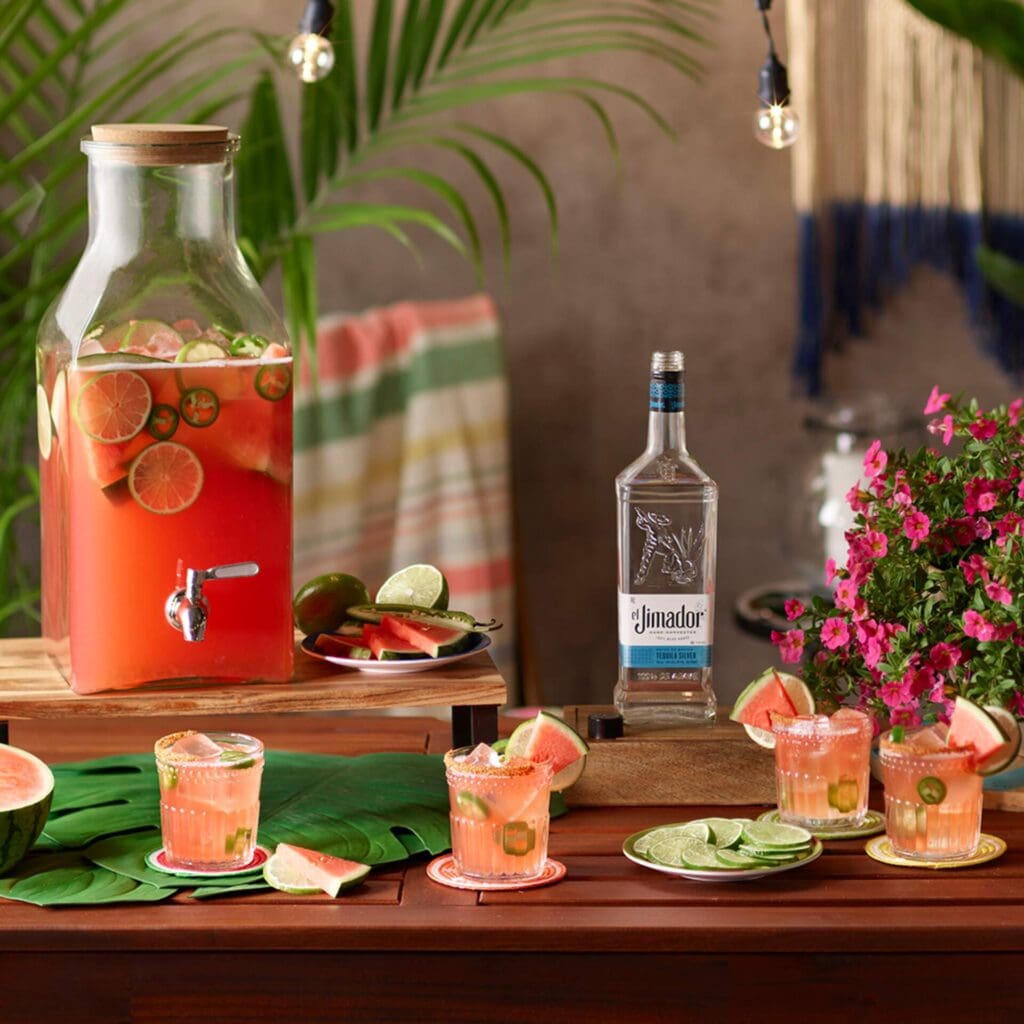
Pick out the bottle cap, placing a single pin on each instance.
(667, 362)
(604, 725)
(161, 145)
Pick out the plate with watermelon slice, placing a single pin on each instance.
(399, 639)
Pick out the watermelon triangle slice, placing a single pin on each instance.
(765, 695)
(305, 869)
(973, 727)
(431, 640)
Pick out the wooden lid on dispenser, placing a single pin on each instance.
(157, 145)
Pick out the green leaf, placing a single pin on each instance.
(377, 63)
(50, 878)
(994, 26)
(337, 216)
(1004, 274)
(406, 49)
(458, 23)
(426, 37)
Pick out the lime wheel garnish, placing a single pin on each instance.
(273, 382)
(113, 406)
(45, 427)
(163, 422)
(199, 407)
(165, 478)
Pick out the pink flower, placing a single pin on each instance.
(830, 571)
(1020, 490)
(944, 656)
(1013, 411)
(936, 401)
(977, 626)
(794, 609)
(790, 644)
(875, 544)
(916, 527)
(845, 594)
(857, 499)
(1018, 704)
(875, 460)
(943, 427)
(983, 428)
(974, 568)
(872, 652)
(998, 592)
(980, 495)
(907, 716)
(835, 633)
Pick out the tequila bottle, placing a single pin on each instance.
(667, 522)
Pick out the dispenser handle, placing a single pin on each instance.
(235, 569)
(187, 609)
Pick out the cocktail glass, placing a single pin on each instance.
(499, 814)
(209, 798)
(822, 768)
(933, 796)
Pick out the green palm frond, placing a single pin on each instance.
(420, 82)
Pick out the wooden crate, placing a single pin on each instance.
(700, 764)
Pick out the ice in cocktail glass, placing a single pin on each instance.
(209, 798)
(822, 768)
(933, 795)
(499, 814)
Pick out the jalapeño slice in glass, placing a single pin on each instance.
(273, 382)
(199, 407)
(931, 790)
(163, 422)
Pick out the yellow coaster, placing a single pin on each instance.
(989, 848)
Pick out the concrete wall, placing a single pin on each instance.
(692, 248)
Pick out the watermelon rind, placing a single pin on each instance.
(520, 745)
(434, 641)
(22, 825)
(1007, 754)
(972, 726)
(796, 688)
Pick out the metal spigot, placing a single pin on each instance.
(187, 609)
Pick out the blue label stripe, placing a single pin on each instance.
(696, 656)
(667, 395)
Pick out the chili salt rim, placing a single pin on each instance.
(517, 767)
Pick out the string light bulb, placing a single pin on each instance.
(310, 53)
(776, 124)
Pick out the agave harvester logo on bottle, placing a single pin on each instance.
(679, 553)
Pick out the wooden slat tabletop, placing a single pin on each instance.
(612, 940)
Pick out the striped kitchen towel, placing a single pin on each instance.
(401, 455)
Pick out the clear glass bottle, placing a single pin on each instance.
(164, 391)
(667, 528)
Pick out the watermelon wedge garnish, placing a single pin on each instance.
(972, 727)
(431, 640)
(26, 789)
(547, 738)
(385, 644)
(772, 692)
(294, 869)
(335, 646)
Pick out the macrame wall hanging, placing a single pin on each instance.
(910, 152)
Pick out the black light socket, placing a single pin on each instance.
(773, 82)
(316, 18)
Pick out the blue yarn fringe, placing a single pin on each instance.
(872, 249)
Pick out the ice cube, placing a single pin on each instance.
(849, 716)
(196, 744)
(482, 754)
(928, 740)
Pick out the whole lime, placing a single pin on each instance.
(320, 604)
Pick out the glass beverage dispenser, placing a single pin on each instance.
(165, 430)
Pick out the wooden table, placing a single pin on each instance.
(843, 939)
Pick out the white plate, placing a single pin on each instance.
(723, 875)
(398, 667)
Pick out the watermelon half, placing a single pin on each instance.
(296, 869)
(771, 692)
(431, 640)
(547, 738)
(973, 727)
(26, 789)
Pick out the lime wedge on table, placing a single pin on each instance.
(278, 876)
(768, 835)
(423, 586)
(320, 604)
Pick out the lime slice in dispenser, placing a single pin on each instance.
(201, 351)
(165, 478)
(113, 407)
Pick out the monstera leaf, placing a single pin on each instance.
(373, 809)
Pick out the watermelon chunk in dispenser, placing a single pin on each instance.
(165, 405)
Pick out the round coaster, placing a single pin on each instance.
(157, 860)
(442, 869)
(989, 848)
(873, 823)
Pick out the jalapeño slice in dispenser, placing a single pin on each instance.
(199, 407)
(273, 382)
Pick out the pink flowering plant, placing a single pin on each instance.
(928, 604)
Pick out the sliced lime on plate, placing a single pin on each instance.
(775, 836)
